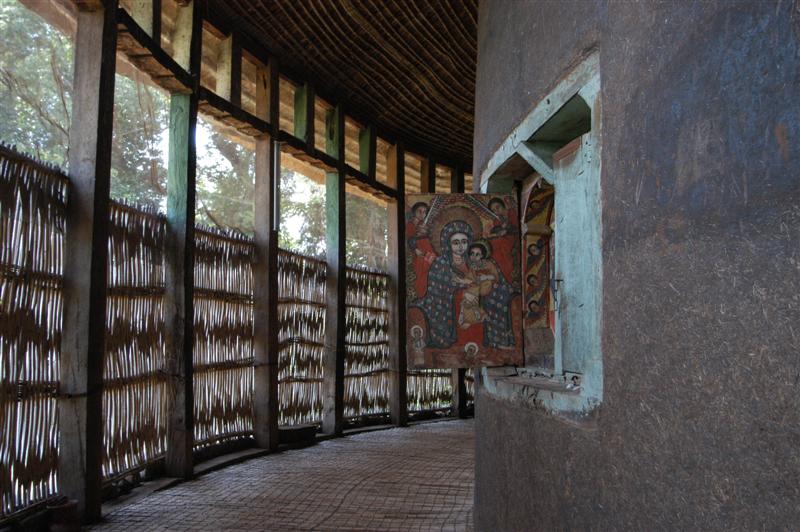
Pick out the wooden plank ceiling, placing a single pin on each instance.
(408, 66)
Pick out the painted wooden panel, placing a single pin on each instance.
(463, 280)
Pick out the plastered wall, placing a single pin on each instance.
(700, 186)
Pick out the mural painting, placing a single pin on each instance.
(464, 296)
(539, 309)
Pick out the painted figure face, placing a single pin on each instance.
(421, 212)
(459, 243)
(497, 207)
(475, 254)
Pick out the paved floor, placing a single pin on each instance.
(416, 478)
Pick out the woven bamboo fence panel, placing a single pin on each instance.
(223, 329)
(367, 365)
(301, 336)
(429, 389)
(135, 397)
(32, 215)
(469, 383)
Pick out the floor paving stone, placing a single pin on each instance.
(415, 478)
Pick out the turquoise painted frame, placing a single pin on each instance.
(578, 208)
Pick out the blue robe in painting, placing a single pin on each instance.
(439, 305)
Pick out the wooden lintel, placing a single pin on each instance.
(148, 56)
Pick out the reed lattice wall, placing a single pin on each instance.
(135, 398)
(429, 389)
(32, 215)
(367, 365)
(223, 332)
(301, 322)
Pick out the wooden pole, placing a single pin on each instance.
(367, 148)
(304, 114)
(459, 407)
(336, 234)
(179, 255)
(86, 261)
(398, 393)
(265, 271)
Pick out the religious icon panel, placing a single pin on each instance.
(463, 281)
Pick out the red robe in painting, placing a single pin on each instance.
(420, 262)
(503, 245)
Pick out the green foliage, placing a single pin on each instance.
(138, 149)
(35, 105)
(225, 180)
(35, 84)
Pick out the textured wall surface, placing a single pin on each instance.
(700, 425)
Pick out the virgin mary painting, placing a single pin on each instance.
(468, 297)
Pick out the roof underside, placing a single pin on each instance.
(406, 66)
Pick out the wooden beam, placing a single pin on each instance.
(179, 259)
(304, 115)
(155, 32)
(335, 289)
(457, 180)
(428, 176)
(182, 35)
(86, 261)
(459, 405)
(265, 279)
(229, 70)
(398, 393)
(367, 148)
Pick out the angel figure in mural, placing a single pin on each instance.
(420, 245)
(454, 283)
(504, 232)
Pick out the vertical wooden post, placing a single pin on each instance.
(265, 275)
(427, 176)
(155, 27)
(86, 261)
(367, 148)
(398, 394)
(229, 70)
(335, 288)
(459, 407)
(179, 256)
(304, 114)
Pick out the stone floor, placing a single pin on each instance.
(415, 478)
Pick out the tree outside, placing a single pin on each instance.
(35, 105)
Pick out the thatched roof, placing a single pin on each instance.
(407, 66)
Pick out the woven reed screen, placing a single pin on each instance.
(32, 216)
(366, 365)
(429, 389)
(301, 322)
(469, 382)
(135, 398)
(223, 332)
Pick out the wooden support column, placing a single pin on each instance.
(398, 393)
(265, 271)
(179, 255)
(367, 148)
(427, 176)
(459, 407)
(304, 114)
(336, 234)
(229, 70)
(86, 261)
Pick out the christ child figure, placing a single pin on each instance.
(483, 276)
